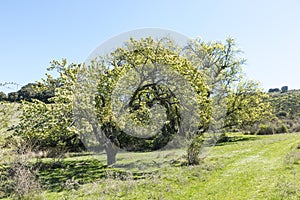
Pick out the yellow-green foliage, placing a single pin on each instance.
(287, 104)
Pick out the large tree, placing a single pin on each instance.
(132, 83)
(115, 99)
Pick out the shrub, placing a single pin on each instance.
(18, 178)
(265, 130)
(293, 157)
(24, 180)
(282, 129)
(296, 128)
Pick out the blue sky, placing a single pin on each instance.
(32, 33)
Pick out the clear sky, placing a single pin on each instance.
(32, 33)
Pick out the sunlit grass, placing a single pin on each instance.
(255, 168)
(242, 167)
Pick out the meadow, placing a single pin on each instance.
(242, 167)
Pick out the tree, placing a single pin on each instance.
(247, 104)
(284, 88)
(12, 96)
(28, 92)
(3, 96)
(7, 112)
(235, 100)
(51, 125)
(274, 90)
(220, 62)
(148, 67)
(188, 91)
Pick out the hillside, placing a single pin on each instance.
(286, 107)
(286, 104)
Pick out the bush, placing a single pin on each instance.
(296, 128)
(282, 129)
(265, 130)
(18, 178)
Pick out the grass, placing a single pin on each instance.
(242, 167)
(87, 169)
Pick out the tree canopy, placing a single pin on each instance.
(144, 94)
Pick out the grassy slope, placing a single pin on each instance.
(287, 101)
(253, 169)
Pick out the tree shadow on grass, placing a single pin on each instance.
(226, 140)
(142, 167)
(55, 175)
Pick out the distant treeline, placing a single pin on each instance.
(29, 92)
(283, 89)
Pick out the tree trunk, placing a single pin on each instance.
(110, 149)
(194, 150)
(111, 152)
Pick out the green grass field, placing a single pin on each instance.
(249, 167)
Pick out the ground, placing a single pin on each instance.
(247, 167)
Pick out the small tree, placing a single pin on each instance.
(247, 105)
(284, 88)
(236, 101)
(7, 112)
(51, 125)
(3, 96)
